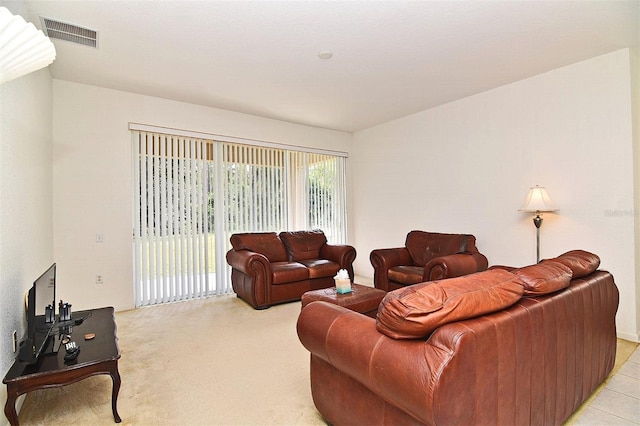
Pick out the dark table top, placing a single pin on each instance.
(104, 347)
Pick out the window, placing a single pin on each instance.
(191, 193)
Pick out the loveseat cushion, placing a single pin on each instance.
(265, 243)
(321, 268)
(424, 246)
(416, 311)
(288, 272)
(303, 245)
(544, 278)
(581, 262)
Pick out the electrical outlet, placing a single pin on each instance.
(99, 279)
(15, 341)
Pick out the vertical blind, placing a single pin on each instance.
(191, 194)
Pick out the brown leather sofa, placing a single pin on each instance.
(532, 362)
(268, 268)
(426, 256)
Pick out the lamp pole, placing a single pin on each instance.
(537, 221)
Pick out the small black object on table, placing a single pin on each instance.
(99, 355)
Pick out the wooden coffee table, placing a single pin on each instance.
(97, 356)
(362, 299)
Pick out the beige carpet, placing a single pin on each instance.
(205, 362)
(210, 362)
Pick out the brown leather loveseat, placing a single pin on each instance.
(426, 256)
(519, 347)
(268, 268)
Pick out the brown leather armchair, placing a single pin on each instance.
(427, 256)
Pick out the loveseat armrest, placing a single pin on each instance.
(454, 265)
(384, 259)
(396, 370)
(248, 262)
(342, 254)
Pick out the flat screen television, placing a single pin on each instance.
(41, 318)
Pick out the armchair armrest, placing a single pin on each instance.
(383, 260)
(395, 370)
(343, 255)
(454, 265)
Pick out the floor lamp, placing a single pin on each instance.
(538, 201)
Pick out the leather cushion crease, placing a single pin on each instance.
(581, 263)
(416, 311)
(544, 278)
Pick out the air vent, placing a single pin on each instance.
(69, 32)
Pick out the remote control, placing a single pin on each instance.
(72, 351)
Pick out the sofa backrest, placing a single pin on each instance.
(266, 243)
(581, 262)
(424, 246)
(415, 311)
(551, 351)
(303, 245)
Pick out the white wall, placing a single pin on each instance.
(92, 178)
(462, 167)
(465, 167)
(26, 230)
(635, 114)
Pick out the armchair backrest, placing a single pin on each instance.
(424, 246)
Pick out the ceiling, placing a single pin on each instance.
(390, 58)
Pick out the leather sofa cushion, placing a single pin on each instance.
(288, 272)
(265, 243)
(581, 263)
(544, 278)
(303, 245)
(416, 311)
(406, 274)
(424, 246)
(321, 268)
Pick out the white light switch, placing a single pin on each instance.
(99, 238)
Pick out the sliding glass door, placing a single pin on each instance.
(191, 194)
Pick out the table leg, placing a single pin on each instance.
(10, 407)
(115, 377)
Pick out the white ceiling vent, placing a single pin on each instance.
(69, 32)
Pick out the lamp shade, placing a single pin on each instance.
(23, 48)
(538, 201)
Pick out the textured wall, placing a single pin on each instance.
(26, 226)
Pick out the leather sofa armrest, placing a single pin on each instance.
(342, 254)
(454, 265)
(383, 260)
(396, 370)
(248, 262)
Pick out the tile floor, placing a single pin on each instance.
(617, 401)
